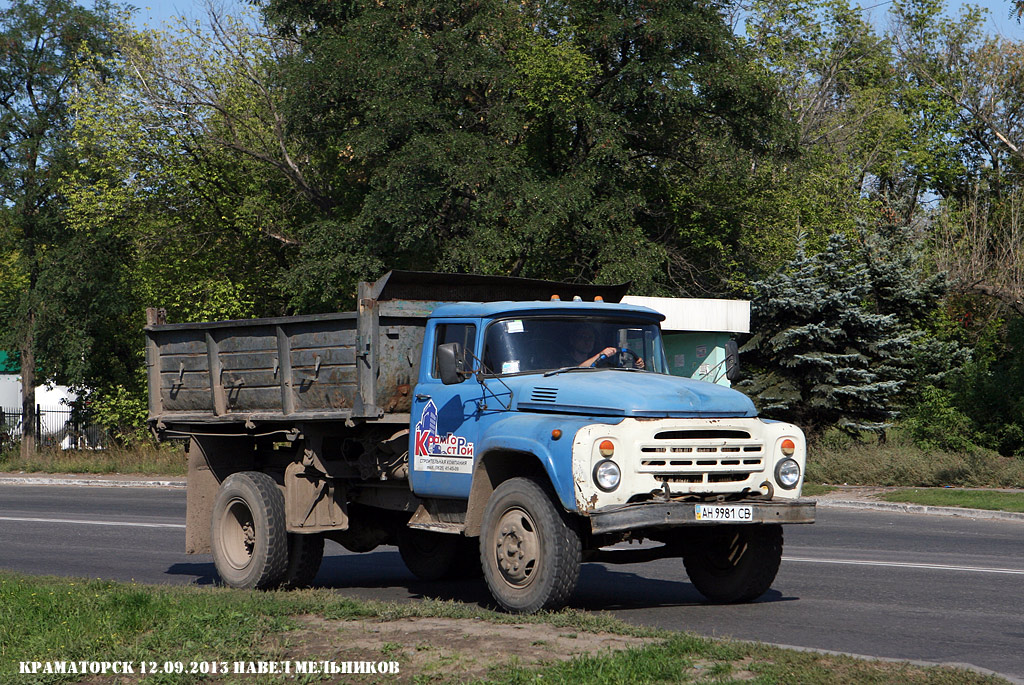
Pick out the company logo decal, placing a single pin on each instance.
(435, 452)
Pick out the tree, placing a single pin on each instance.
(184, 156)
(534, 139)
(821, 357)
(182, 162)
(41, 43)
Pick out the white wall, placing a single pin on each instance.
(55, 397)
(695, 314)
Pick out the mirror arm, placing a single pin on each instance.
(480, 379)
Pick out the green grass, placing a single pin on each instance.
(163, 460)
(814, 489)
(47, 619)
(970, 499)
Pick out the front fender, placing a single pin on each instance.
(532, 434)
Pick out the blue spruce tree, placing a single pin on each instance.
(822, 356)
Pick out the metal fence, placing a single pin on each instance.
(65, 427)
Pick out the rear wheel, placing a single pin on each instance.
(731, 564)
(529, 549)
(429, 555)
(247, 535)
(467, 560)
(305, 554)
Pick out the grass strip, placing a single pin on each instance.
(58, 619)
(814, 489)
(992, 500)
(151, 460)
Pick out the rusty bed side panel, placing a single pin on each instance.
(288, 365)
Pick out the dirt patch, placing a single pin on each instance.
(441, 648)
(854, 492)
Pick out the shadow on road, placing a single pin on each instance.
(381, 575)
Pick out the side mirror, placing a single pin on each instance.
(451, 362)
(732, 361)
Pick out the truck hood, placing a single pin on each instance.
(616, 392)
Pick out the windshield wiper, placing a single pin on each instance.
(590, 368)
(568, 368)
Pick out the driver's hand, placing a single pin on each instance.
(640, 363)
(608, 351)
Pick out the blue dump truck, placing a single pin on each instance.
(503, 427)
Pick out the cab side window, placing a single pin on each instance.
(462, 333)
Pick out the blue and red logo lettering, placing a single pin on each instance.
(428, 442)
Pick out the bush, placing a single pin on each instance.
(900, 461)
(934, 423)
(122, 412)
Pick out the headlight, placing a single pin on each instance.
(787, 473)
(607, 475)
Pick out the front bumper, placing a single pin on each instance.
(672, 514)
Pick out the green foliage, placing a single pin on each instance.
(178, 182)
(820, 356)
(934, 422)
(122, 411)
(991, 392)
(50, 281)
(533, 140)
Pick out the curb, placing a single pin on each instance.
(959, 512)
(98, 481)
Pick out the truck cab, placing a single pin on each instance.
(613, 439)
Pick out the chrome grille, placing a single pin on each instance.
(702, 456)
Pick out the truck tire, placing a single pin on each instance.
(305, 554)
(428, 555)
(247, 535)
(732, 564)
(529, 549)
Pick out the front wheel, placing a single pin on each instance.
(529, 549)
(247, 534)
(732, 564)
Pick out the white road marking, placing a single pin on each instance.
(129, 524)
(901, 564)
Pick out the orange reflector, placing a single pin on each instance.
(788, 447)
(606, 448)
(556, 434)
(555, 298)
(598, 298)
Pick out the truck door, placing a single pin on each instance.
(444, 418)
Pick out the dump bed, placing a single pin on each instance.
(345, 365)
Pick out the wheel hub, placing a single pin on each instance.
(518, 547)
(238, 534)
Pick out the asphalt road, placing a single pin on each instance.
(882, 584)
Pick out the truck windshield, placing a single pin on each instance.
(531, 344)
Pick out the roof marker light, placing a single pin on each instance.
(598, 298)
(555, 298)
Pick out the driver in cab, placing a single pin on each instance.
(581, 349)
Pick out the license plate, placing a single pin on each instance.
(723, 512)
